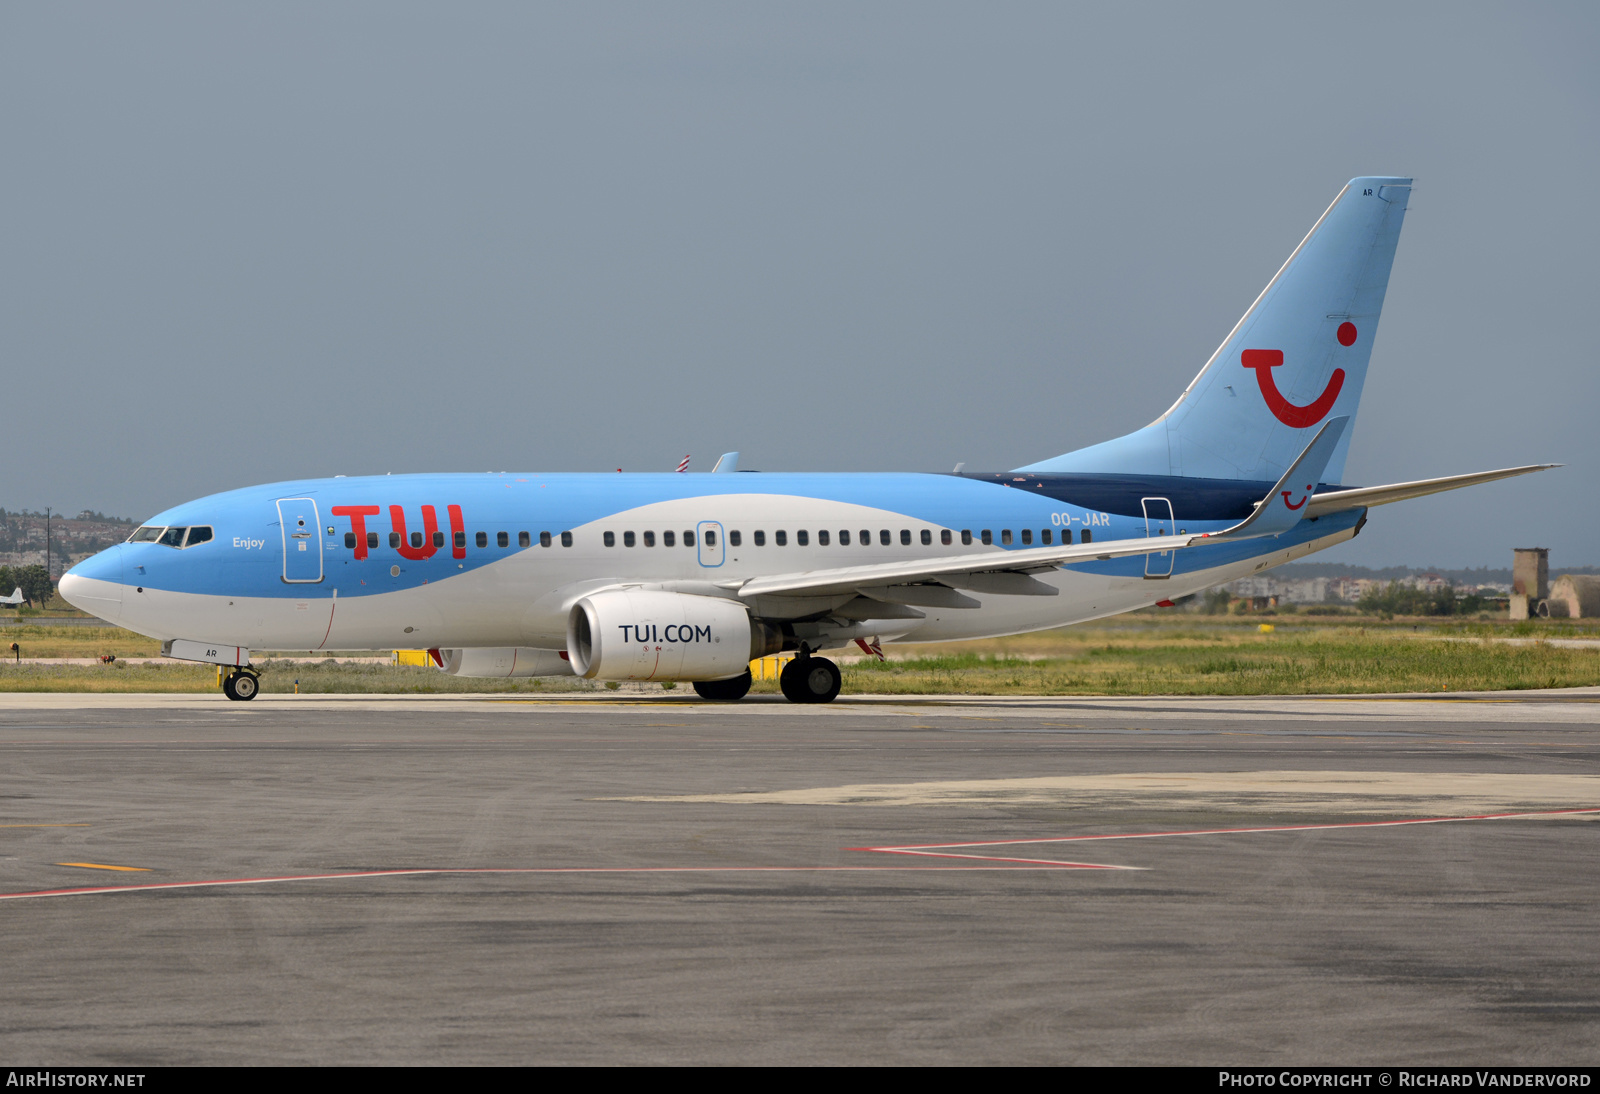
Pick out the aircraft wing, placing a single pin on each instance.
(845, 579)
(1367, 496)
(1008, 572)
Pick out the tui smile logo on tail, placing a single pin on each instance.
(1264, 361)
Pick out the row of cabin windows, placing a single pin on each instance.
(501, 539)
(780, 538)
(802, 538)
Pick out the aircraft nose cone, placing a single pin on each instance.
(95, 584)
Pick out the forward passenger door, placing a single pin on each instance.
(302, 540)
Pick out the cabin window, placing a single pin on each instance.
(1005, 537)
(525, 540)
(688, 538)
(438, 539)
(735, 539)
(566, 539)
(966, 537)
(884, 537)
(761, 538)
(372, 540)
(711, 537)
(944, 536)
(803, 538)
(669, 539)
(781, 538)
(460, 539)
(200, 533)
(1045, 536)
(866, 537)
(394, 539)
(927, 538)
(502, 539)
(482, 539)
(987, 537)
(822, 537)
(1027, 536)
(609, 539)
(350, 539)
(905, 537)
(1088, 536)
(844, 537)
(649, 539)
(416, 539)
(627, 539)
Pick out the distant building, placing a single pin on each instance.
(1573, 596)
(1530, 580)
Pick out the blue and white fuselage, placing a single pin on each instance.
(349, 577)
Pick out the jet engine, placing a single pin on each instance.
(505, 661)
(643, 634)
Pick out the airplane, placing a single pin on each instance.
(690, 577)
(15, 600)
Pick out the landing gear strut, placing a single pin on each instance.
(725, 691)
(241, 685)
(810, 680)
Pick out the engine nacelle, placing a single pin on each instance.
(642, 634)
(505, 661)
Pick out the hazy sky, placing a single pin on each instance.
(241, 243)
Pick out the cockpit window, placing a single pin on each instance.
(147, 534)
(172, 537)
(200, 533)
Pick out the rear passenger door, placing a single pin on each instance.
(1158, 522)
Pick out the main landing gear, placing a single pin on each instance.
(810, 680)
(724, 691)
(241, 684)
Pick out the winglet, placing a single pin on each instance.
(1279, 511)
(727, 462)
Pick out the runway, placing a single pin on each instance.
(640, 878)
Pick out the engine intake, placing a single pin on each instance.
(642, 634)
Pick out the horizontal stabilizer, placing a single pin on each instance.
(1364, 497)
(1278, 511)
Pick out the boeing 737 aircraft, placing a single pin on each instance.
(691, 576)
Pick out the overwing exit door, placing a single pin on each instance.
(1158, 522)
(710, 541)
(302, 540)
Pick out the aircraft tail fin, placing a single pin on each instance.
(1297, 357)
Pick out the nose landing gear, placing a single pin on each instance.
(241, 685)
